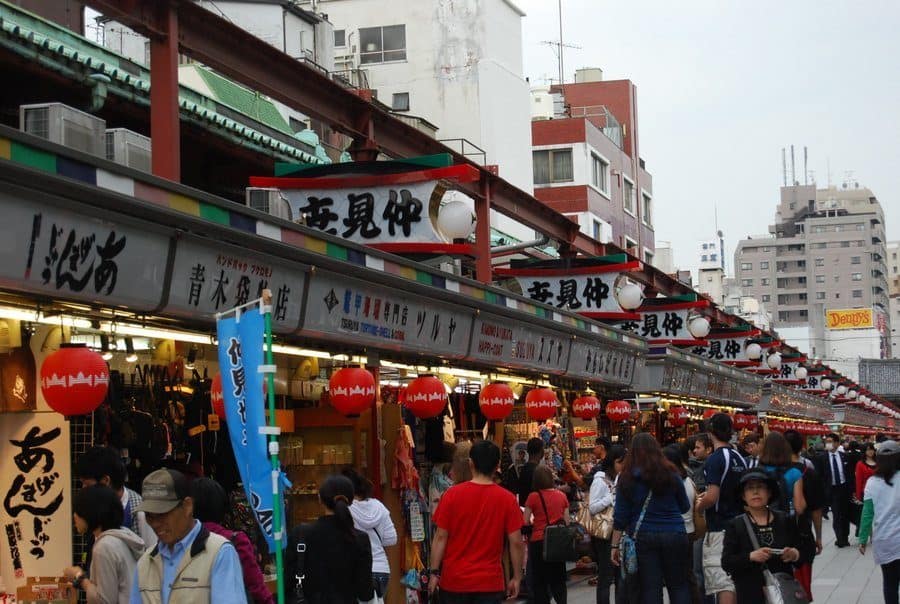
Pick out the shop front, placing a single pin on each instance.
(784, 407)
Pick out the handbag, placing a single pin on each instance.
(699, 523)
(628, 544)
(598, 525)
(778, 588)
(559, 539)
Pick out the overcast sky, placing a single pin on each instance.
(723, 85)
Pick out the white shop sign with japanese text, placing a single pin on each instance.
(724, 349)
(357, 312)
(73, 255)
(661, 325)
(578, 293)
(36, 517)
(210, 278)
(595, 361)
(507, 343)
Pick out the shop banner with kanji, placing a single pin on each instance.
(240, 355)
(36, 518)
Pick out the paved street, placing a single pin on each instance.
(840, 576)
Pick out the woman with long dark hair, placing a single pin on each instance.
(881, 517)
(678, 455)
(649, 506)
(776, 459)
(603, 496)
(330, 559)
(865, 469)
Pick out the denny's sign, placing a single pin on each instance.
(850, 318)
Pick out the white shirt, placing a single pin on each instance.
(886, 524)
(691, 490)
(601, 496)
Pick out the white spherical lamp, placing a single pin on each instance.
(826, 384)
(699, 327)
(630, 296)
(863, 399)
(456, 220)
(801, 373)
(841, 390)
(754, 351)
(851, 394)
(774, 361)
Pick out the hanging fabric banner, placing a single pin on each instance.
(240, 355)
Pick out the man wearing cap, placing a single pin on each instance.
(189, 564)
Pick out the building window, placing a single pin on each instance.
(838, 228)
(600, 173)
(764, 282)
(340, 38)
(746, 266)
(630, 245)
(628, 197)
(713, 257)
(860, 226)
(709, 279)
(766, 297)
(766, 248)
(803, 313)
(857, 293)
(837, 278)
(845, 244)
(802, 297)
(647, 208)
(704, 258)
(837, 296)
(801, 280)
(858, 260)
(554, 165)
(705, 246)
(820, 278)
(763, 266)
(596, 230)
(382, 44)
(400, 101)
(648, 257)
(820, 295)
(747, 282)
(820, 261)
(856, 277)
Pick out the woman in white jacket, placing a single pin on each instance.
(602, 496)
(371, 517)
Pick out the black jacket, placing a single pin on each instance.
(746, 574)
(825, 469)
(335, 570)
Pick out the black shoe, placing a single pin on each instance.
(842, 544)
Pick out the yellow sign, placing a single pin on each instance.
(849, 318)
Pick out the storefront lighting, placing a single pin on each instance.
(128, 329)
(131, 355)
(18, 314)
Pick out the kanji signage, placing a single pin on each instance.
(358, 312)
(210, 278)
(603, 362)
(36, 513)
(48, 250)
(723, 349)
(661, 325)
(508, 343)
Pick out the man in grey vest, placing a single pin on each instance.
(189, 565)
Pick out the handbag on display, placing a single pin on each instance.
(779, 588)
(559, 539)
(628, 544)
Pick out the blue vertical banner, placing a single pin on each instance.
(240, 355)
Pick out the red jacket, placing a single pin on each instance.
(254, 582)
(863, 473)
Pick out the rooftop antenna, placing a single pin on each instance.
(805, 169)
(828, 165)
(793, 171)
(558, 46)
(783, 167)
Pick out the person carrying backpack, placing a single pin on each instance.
(775, 460)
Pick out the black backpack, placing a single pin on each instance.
(784, 499)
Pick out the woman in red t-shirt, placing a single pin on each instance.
(545, 506)
(865, 468)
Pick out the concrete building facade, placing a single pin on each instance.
(893, 265)
(826, 251)
(587, 161)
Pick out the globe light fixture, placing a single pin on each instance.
(629, 296)
(826, 384)
(456, 220)
(851, 394)
(774, 361)
(699, 327)
(841, 390)
(754, 351)
(801, 373)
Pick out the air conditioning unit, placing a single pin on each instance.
(128, 148)
(270, 201)
(64, 125)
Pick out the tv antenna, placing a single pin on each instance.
(559, 45)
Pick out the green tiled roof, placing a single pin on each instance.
(248, 102)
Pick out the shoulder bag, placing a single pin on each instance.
(559, 539)
(778, 588)
(628, 544)
(598, 525)
(699, 520)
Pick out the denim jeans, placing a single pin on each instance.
(381, 583)
(662, 560)
(605, 571)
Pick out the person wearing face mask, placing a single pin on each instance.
(838, 488)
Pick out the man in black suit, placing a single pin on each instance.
(838, 487)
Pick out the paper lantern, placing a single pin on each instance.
(740, 421)
(351, 390)
(629, 296)
(216, 397)
(699, 327)
(678, 416)
(456, 220)
(586, 407)
(709, 413)
(801, 373)
(426, 397)
(618, 411)
(825, 384)
(74, 380)
(774, 361)
(496, 401)
(841, 390)
(541, 404)
(754, 351)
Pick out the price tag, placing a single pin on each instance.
(416, 523)
(212, 422)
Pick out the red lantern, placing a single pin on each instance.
(740, 421)
(496, 401)
(426, 396)
(74, 380)
(678, 416)
(709, 413)
(541, 404)
(216, 396)
(351, 390)
(586, 407)
(618, 411)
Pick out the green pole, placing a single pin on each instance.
(273, 453)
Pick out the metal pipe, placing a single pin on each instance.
(524, 245)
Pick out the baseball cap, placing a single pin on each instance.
(888, 447)
(162, 491)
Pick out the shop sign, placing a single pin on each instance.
(852, 415)
(661, 325)
(357, 312)
(578, 293)
(36, 515)
(788, 371)
(723, 349)
(209, 278)
(677, 379)
(799, 404)
(602, 362)
(850, 318)
(48, 250)
(503, 342)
